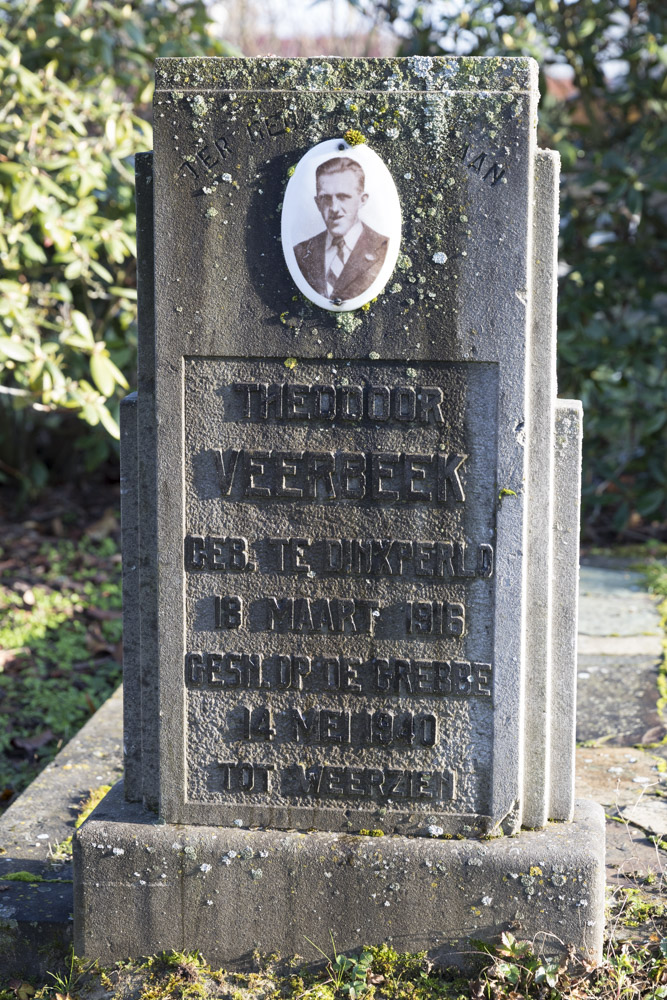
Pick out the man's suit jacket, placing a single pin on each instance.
(360, 271)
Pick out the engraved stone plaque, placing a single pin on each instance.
(339, 583)
(340, 491)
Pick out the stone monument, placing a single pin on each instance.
(350, 526)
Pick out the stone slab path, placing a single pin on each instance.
(619, 761)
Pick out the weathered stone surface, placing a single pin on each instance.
(649, 814)
(36, 917)
(617, 605)
(376, 719)
(148, 790)
(346, 529)
(619, 646)
(565, 565)
(619, 696)
(300, 659)
(229, 892)
(129, 515)
(326, 75)
(631, 788)
(540, 489)
(617, 776)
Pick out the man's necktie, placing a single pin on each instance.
(337, 263)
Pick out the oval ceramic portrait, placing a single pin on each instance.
(341, 225)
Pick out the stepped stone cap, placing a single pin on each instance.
(411, 73)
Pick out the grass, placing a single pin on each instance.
(509, 971)
(60, 656)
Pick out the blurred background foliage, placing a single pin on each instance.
(76, 85)
(604, 108)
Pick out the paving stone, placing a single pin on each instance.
(650, 814)
(598, 581)
(618, 776)
(615, 603)
(632, 789)
(617, 699)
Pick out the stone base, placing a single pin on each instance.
(141, 886)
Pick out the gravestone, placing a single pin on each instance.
(350, 523)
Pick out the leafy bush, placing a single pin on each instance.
(609, 127)
(78, 78)
(78, 83)
(67, 243)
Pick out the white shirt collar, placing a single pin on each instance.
(350, 239)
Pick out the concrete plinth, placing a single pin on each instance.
(142, 885)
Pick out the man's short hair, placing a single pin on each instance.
(338, 165)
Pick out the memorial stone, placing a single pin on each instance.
(349, 523)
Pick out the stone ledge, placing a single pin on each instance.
(36, 917)
(143, 885)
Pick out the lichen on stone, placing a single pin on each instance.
(347, 322)
(353, 137)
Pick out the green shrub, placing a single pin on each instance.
(67, 242)
(612, 137)
(77, 80)
(77, 76)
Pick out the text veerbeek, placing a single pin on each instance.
(315, 476)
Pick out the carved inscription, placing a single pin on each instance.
(348, 674)
(328, 726)
(483, 165)
(206, 159)
(441, 560)
(318, 476)
(347, 403)
(210, 157)
(339, 554)
(324, 614)
(374, 783)
(338, 615)
(339, 782)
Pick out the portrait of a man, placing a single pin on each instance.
(342, 261)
